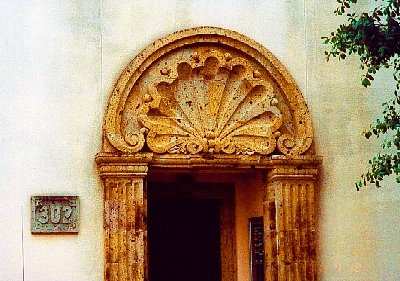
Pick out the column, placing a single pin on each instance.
(125, 222)
(289, 224)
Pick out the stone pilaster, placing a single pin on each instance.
(125, 216)
(289, 224)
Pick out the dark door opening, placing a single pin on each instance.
(184, 239)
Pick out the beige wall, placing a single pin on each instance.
(249, 203)
(58, 63)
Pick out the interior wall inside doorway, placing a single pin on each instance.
(248, 203)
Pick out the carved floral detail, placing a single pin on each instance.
(207, 90)
(211, 103)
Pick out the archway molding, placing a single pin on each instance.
(209, 99)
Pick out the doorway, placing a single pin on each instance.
(184, 240)
(190, 231)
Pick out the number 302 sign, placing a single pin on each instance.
(55, 214)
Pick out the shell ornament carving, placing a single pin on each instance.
(207, 91)
(211, 103)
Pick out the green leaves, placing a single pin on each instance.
(344, 4)
(375, 38)
(365, 82)
(380, 166)
(388, 127)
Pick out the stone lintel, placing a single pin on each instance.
(214, 161)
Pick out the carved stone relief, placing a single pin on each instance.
(209, 98)
(201, 94)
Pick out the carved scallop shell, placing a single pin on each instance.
(210, 103)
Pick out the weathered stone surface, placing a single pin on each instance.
(125, 227)
(290, 224)
(207, 90)
(208, 98)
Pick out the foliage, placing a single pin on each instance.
(375, 38)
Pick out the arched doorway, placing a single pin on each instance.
(208, 100)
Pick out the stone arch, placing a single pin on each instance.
(209, 98)
(194, 48)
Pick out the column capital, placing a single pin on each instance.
(292, 173)
(116, 170)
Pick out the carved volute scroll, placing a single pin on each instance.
(209, 98)
(207, 90)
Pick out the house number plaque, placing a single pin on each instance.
(55, 214)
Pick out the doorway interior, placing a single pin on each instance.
(191, 231)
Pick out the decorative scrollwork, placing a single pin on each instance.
(207, 90)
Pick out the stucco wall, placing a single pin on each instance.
(58, 63)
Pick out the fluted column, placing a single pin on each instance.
(289, 224)
(125, 216)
